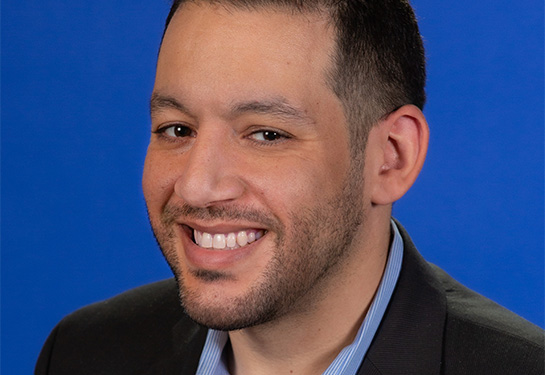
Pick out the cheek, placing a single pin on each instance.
(299, 183)
(158, 181)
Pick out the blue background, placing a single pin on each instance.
(76, 78)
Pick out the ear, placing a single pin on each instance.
(397, 149)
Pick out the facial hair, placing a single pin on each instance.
(307, 254)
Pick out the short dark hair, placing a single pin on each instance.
(379, 62)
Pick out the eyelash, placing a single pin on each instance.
(280, 137)
(188, 132)
(161, 132)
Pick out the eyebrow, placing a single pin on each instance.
(159, 102)
(276, 107)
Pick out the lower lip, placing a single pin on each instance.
(210, 259)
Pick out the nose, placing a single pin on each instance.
(209, 173)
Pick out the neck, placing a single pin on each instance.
(309, 338)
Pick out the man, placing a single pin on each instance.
(282, 133)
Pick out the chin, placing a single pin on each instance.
(214, 308)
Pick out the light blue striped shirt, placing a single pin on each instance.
(350, 358)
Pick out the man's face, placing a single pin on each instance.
(248, 181)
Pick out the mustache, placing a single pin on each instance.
(171, 213)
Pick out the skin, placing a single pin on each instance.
(224, 77)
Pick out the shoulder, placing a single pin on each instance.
(154, 305)
(478, 335)
(130, 331)
(142, 302)
(484, 337)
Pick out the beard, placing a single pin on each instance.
(306, 255)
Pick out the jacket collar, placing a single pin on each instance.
(187, 341)
(410, 336)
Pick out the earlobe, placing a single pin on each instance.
(403, 137)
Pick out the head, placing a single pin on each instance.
(254, 178)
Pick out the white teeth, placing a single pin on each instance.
(251, 237)
(228, 241)
(206, 240)
(231, 240)
(242, 238)
(219, 241)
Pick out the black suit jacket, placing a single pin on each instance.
(433, 325)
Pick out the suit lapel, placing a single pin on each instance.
(187, 343)
(409, 339)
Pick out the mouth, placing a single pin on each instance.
(229, 240)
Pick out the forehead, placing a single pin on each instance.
(242, 48)
(272, 21)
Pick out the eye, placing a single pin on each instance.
(176, 131)
(268, 136)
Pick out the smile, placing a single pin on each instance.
(226, 241)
